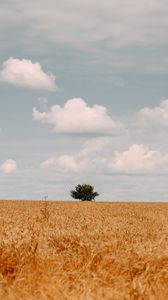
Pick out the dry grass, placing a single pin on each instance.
(83, 250)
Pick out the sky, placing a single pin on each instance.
(84, 98)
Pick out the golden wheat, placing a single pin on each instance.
(71, 250)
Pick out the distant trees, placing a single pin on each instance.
(84, 192)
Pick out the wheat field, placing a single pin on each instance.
(73, 250)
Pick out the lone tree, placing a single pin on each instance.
(84, 192)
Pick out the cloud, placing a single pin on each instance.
(93, 146)
(87, 159)
(74, 164)
(115, 24)
(79, 118)
(25, 73)
(137, 159)
(48, 163)
(140, 159)
(9, 166)
(111, 27)
(157, 116)
(68, 162)
(62, 163)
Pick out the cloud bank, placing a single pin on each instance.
(137, 159)
(110, 28)
(117, 24)
(25, 73)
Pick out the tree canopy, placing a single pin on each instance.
(84, 192)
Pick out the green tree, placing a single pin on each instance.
(84, 192)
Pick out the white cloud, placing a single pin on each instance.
(87, 159)
(140, 159)
(75, 164)
(94, 146)
(62, 163)
(155, 116)
(77, 117)
(68, 162)
(25, 73)
(9, 166)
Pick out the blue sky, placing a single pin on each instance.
(84, 98)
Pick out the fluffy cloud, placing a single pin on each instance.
(9, 166)
(77, 117)
(140, 159)
(75, 164)
(155, 116)
(25, 73)
(86, 160)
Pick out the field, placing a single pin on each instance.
(61, 250)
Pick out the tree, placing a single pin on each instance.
(84, 192)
